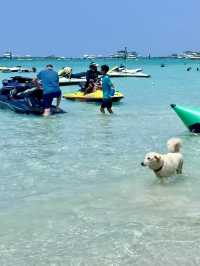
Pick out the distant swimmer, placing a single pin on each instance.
(197, 69)
(162, 65)
(189, 68)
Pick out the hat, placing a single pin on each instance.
(49, 66)
(92, 65)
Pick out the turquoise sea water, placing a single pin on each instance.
(72, 191)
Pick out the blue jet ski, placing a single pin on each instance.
(20, 95)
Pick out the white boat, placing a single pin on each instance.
(3, 69)
(125, 72)
(125, 54)
(192, 55)
(18, 69)
(7, 55)
(71, 81)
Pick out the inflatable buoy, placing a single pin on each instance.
(189, 116)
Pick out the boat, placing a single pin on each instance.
(7, 55)
(67, 78)
(122, 71)
(96, 96)
(192, 55)
(19, 95)
(18, 69)
(90, 57)
(124, 54)
(71, 81)
(189, 116)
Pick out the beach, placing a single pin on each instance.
(72, 189)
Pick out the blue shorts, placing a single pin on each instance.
(48, 98)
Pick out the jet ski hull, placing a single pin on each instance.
(20, 106)
(96, 96)
(128, 75)
(71, 82)
(19, 95)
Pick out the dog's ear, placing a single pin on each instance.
(157, 157)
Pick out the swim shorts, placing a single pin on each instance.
(48, 98)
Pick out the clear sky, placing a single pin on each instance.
(77, 27)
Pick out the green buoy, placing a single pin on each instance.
(189, 116)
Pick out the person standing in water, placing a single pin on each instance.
(50, 86)
(108, 90)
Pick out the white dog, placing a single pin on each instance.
(165, 165)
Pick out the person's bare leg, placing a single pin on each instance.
(110, 110)
(58, 100)
(47, 112)
(102, 110)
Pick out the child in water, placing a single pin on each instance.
(108, 91)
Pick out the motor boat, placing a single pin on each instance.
(122, 71)
(18, 69)
(20, 95)
(96, 96)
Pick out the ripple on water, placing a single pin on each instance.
(72, 191)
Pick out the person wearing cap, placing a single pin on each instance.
(50, 86)
(91, 78)
(108, 90)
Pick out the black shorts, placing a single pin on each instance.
(48, 98)
(106, 103)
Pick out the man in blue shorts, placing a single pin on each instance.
(108, 91)
(50, 86)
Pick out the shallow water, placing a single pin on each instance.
(72, 191)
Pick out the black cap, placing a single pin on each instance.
(50, 65)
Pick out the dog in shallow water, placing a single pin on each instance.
(166, 165)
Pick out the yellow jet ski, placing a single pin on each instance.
(96, 96)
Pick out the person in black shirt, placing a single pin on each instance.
(91, 78)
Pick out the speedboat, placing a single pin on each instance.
(96, 96)
(20, 95)
(122, 71)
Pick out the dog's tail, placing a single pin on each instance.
(174, 145)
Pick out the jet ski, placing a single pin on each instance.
(96, 96)
(20, 95)
(122, 71)
(189, 116)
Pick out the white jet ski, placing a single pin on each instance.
(122, 71)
